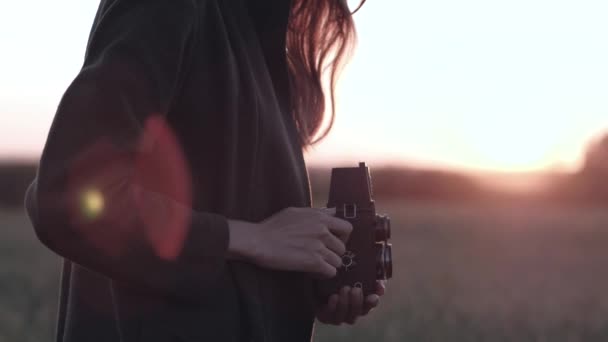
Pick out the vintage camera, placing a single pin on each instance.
(368, 254)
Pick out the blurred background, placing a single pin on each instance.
(484, 126)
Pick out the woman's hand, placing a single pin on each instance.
(348, 305)
(295, 239)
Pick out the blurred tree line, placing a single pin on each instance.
(587, 186)
(408, 184)
(15, 177)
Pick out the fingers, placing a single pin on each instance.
(335, 245)
(332, 303)
(331, 258)
(328, 211)
(371, 302)
(347, 306)
(325, 269)
(342, 306)
(339, 227)
(327, 312)
(381, 287)
(356, 305)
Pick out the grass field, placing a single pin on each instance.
(462, 273)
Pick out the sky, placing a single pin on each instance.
(518, 85)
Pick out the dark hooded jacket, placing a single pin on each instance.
(224, 146)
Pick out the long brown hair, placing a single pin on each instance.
(318, 30)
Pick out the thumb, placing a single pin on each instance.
(329, 211)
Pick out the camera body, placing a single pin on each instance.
(368, 255)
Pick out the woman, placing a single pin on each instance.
(172, 180)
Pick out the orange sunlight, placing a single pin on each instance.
(518, 86)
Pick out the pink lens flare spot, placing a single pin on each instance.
(163, 192)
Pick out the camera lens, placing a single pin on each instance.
(384, 261)
(388, 260)
(383, 228)
(380, 270)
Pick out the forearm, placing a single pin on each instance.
(135, 260)
(243, 241)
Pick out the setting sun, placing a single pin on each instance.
(473, 85)
(514, 143)
(155, 180)
(517, 86)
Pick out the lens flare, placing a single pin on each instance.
(162, 168)
(91, 204)
(133, 192)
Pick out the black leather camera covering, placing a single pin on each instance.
(366, 259)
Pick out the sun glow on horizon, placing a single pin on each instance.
(512, 86)
(515, 87)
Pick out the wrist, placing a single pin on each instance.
(242, 243)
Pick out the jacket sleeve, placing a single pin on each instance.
(107, 193)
